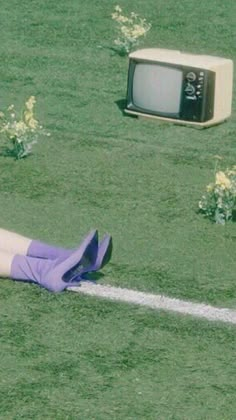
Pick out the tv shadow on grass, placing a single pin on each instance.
(121, 104)
(115, 51)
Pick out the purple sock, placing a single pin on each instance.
(50, 252)
(42, 250)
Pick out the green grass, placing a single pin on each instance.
(63, 356)
(69, 356)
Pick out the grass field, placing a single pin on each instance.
(68, 356)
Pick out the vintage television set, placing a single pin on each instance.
(179, 87)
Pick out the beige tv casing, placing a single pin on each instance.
(222, 67)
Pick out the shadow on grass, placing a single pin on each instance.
(213, 220)
(93, 276)
(114, 51)
(7, 152)
(121, 104)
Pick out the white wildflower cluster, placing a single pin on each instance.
(130, 30)
(22, 132)
(219, 201)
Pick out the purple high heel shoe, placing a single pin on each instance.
(103, 257)
(56, 275)
(89, 248)
(104, 253)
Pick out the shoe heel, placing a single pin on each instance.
(104, 253)
(74, 264)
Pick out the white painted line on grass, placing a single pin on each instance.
(153, 301)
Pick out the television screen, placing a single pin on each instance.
(157, 88)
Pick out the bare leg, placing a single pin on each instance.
(96, 257)
(13, 243)
(5, 264)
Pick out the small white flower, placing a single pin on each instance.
(23, 132)
(130, 29)
(122, 19)
(118, 9)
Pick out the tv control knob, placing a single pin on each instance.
(191, 76)
(189, 90)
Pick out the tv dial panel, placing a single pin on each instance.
(198, 95)
(194, 85)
